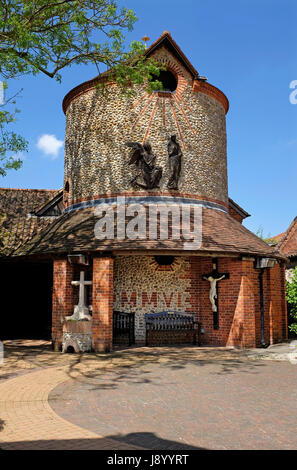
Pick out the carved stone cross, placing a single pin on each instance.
(81, 311)
(213, 278)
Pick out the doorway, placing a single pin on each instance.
(27, 295)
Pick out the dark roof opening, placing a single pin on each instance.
(168, 80)
(164, 260)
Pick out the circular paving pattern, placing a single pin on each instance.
(198, 404)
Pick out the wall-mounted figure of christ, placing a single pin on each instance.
(213, 278)
(143, 157)
(213, 290)
(175, 156)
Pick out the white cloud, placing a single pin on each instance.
(292, 143)
(50, 145)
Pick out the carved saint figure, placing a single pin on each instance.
(175, 155)
(213, 289)
(143, 157)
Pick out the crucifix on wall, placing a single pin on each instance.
(213, 278)
(81, 311)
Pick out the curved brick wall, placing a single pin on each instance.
(96, 159)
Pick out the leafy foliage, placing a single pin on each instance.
(10, 142)
(292, 300)
(260, 234)
(136, 69)
(45, 36)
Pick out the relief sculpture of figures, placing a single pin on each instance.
(149, 173)
(175, 155)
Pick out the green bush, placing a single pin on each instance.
(292, 300)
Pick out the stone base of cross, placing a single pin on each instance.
(81, 311)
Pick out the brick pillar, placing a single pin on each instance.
(238, 304)
(277, 304)
(250, 303)
(102, 304)
(237, 299)
(284, 301)
(62, 298)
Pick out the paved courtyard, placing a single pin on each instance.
(142, 398)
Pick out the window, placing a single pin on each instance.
(168, 81)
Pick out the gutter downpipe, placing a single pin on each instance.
(263, 344)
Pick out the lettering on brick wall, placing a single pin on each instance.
(153, 299)
(130, 299)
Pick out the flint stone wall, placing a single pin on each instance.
(97, 126)
(142, 286)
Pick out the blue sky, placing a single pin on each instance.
(248, 49)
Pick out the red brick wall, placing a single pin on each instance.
(239, 303)
(284, 301)
(238, 300)
(62, 298)
(289, 245)
(235, 215)
(102, 304)
(277, 306)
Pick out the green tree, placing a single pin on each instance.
(44, 36)
(292, 300)
(260, 234)
(10, 142)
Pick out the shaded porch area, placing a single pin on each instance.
(27, 292)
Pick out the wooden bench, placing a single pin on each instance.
(171, 328)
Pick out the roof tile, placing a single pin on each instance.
(74, 231)
(16, 224)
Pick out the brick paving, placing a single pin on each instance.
(161, 398)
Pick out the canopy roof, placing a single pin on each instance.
(74, 232)
(33, 224)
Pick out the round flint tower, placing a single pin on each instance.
(98, 126)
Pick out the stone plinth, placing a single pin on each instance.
(77, 334)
